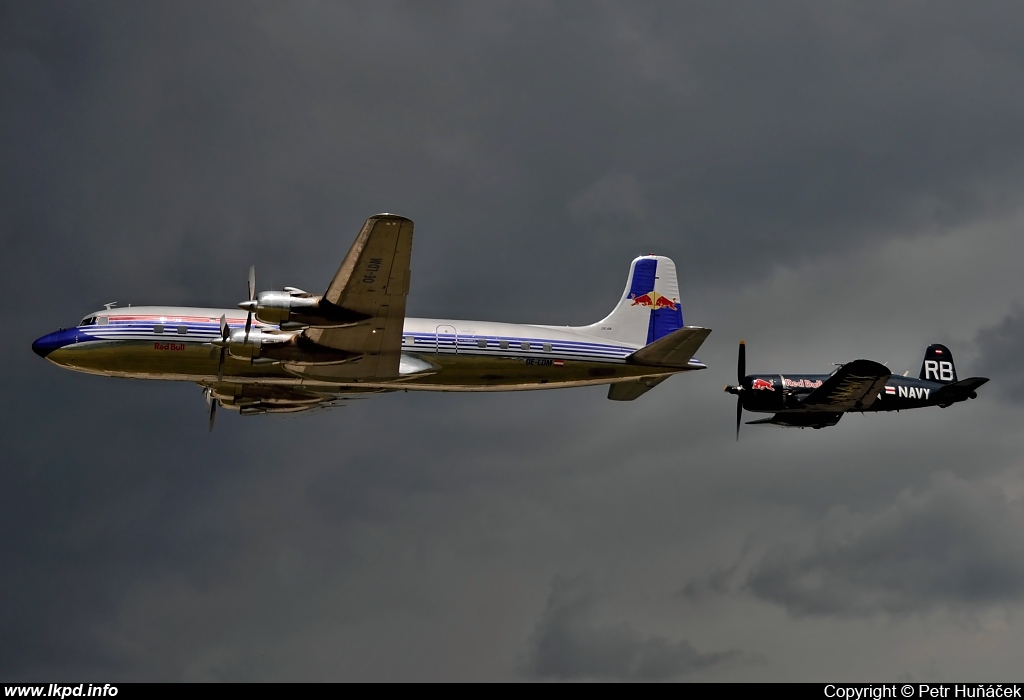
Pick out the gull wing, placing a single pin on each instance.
(800, 419)
(373, 280)
(853, 387)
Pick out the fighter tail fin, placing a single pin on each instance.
(938, 365)
(649, 308)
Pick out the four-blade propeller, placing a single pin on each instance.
(225, 335)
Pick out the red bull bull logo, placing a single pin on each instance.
(763, 384)
(654, 300)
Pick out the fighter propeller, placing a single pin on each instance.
(741, 372)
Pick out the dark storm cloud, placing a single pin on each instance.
(950, 546)
(999, 355)
(740, 134)
(569, 644)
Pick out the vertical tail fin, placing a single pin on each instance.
(938, 365)
(649, 308)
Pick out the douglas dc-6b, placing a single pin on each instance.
(293, 351)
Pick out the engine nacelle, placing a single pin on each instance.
(280, 346)
(294, 308)
(258, 343)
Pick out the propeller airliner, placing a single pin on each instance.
(861, 386)
(292, 351)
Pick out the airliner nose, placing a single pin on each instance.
(48, 343)
(40, 348)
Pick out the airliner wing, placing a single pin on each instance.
(854, 387)
(373, 280)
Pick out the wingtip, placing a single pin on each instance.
(392, 217)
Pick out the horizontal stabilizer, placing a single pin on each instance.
(961, 391)
(634, 388)
(674, 350)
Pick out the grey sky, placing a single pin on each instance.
(833, 181)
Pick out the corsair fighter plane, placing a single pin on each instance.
(820, 400)
(292, 351)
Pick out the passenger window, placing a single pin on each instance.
(481, 343)
(524, 346)
(103, 320)
(158, 328)
(547, 347)
(182, 330)
(408, 340)
(503, 345)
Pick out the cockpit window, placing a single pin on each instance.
(88, 321)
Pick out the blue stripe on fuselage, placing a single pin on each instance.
(59, 339)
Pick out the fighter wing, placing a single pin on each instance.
(853, 387)
(373, 280)
(800, 419)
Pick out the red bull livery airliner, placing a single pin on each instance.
(291, 351)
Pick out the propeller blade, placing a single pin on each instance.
(225, 332)
(252, 295)
(211, 404)
(741, 372)
(220, 366)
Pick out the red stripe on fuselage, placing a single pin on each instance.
(182, 319)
